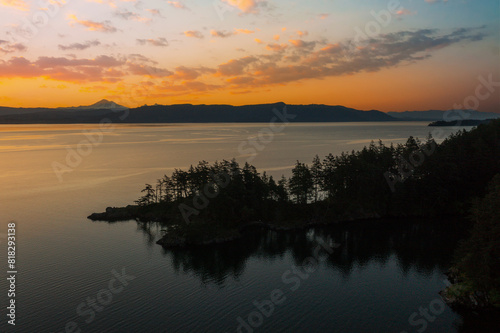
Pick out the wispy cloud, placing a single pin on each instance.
(8, 47)
(129, 15)
(80, 46)
(193, 34)
(246, 6)
(162, 42)
(77, 70)
(225, 34)
(177, 4)
(105, 26)
(16, 4)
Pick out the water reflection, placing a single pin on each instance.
(421, 246)
(418, 248)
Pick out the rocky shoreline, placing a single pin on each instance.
(176, 238)
(460, 296)
(192, 235)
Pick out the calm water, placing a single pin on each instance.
(377, 277)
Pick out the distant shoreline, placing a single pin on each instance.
(215, 114)
(459, 123)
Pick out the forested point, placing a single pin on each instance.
(412, 179)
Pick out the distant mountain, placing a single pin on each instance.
(103, 104)
(435, 115)
(188, 113)
(17, 112)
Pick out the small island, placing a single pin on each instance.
(462, 122)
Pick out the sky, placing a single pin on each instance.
(389, 55)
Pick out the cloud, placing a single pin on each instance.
(235, 66)
(243, 31)
(193, 34)
(128, 15)
(177, 4)
(301, 44)
(105, 26)
(80, 70)
(246, 6)
(80, 46)
(111, 3)
(276, 47)
(434, 1)
(221, 34)
(291, 62)
(7, 47)
(306, 61)
(162, 42)
(149, 71)
(16, 4)
(404, 11)
(190, 73)
(155, 12)
(225, 34)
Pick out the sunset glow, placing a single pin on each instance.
(386, 55)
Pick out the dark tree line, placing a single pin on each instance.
(478, 257)
(416, 178)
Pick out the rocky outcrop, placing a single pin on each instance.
(114, 214)
(460, 295)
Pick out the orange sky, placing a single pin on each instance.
(418, 55)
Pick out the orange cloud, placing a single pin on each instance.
(276, 47)
(301, 44)
(193, 34)
(16, 4)
(102, 68)
(224, 34)
(243, 31)
(246, 6)
(235, 66)
(176, 4)
(92, 25)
